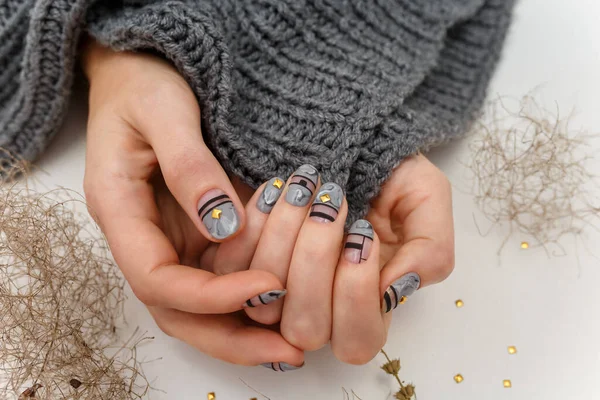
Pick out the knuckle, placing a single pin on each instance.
(181, 165)
(164, 326)
(444, 262)
(143, 295)
(303, 334)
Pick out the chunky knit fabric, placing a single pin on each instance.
(350, 86)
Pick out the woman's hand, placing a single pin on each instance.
(161, 198)
(413, 246)
(343, 290)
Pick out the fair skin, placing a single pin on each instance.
(146, 168)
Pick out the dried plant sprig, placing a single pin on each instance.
(392, 367)
(61, 297)
(531, 172)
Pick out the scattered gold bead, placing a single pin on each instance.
(216, 213)
(278, 183)
(325, 198)
(458, 378)
(507, 383)
(512, 350)
(524, 245)
(211, 396)
(459, 303)
(402, 300)
(254, 398)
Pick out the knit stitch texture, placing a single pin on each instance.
(350, 86)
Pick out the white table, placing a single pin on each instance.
(548, 307)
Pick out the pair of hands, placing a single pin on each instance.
(148, 173)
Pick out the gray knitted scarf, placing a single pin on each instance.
(350, 86)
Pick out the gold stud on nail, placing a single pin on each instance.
(458, 378)
(459, 303)
(278, 183)
(402, 300)
(325, 198)
(211, 396)
(524, 245)
(512, 350)
(507, 383)
(216, 213)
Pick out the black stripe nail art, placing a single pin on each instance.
(359, 242)
(327, 203)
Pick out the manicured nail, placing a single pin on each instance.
(327, 203)
(270, 195)
(281, 366)
(218, 214)
(399, 291)
(265, 298)
(302, 185)
(359, 242)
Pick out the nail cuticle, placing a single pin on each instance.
(398, 292)
(302, 185)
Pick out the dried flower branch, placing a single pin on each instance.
(61, 297)
(392, 367)
(530, 172)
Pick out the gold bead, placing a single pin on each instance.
(512, 350)
(524, 245)
(458, 378)
(402, 300)
(506, 383)
(459, 303)
(216, 213)
(211, 396)
(278, 183)
(325, 198)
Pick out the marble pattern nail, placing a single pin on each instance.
(281, 366)
(218, 214)
(399, 291)
(359, 242)
(270, 195)
(327, 203)
(302, 185)
(264, 298)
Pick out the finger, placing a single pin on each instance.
(278, 238)
(427, 255)
(192, 174)
(236, 254)
(307, 311)
(123, 201)
(227, 338)
(359, 331)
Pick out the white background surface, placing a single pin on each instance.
(548, 307)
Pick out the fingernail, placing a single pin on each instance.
(265, 298)
(327, 203)
(302, 185)
(399, 291)
(218, 214)
(281, 366)
(270, 195)
(359, 242)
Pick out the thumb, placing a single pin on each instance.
(191, 172)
